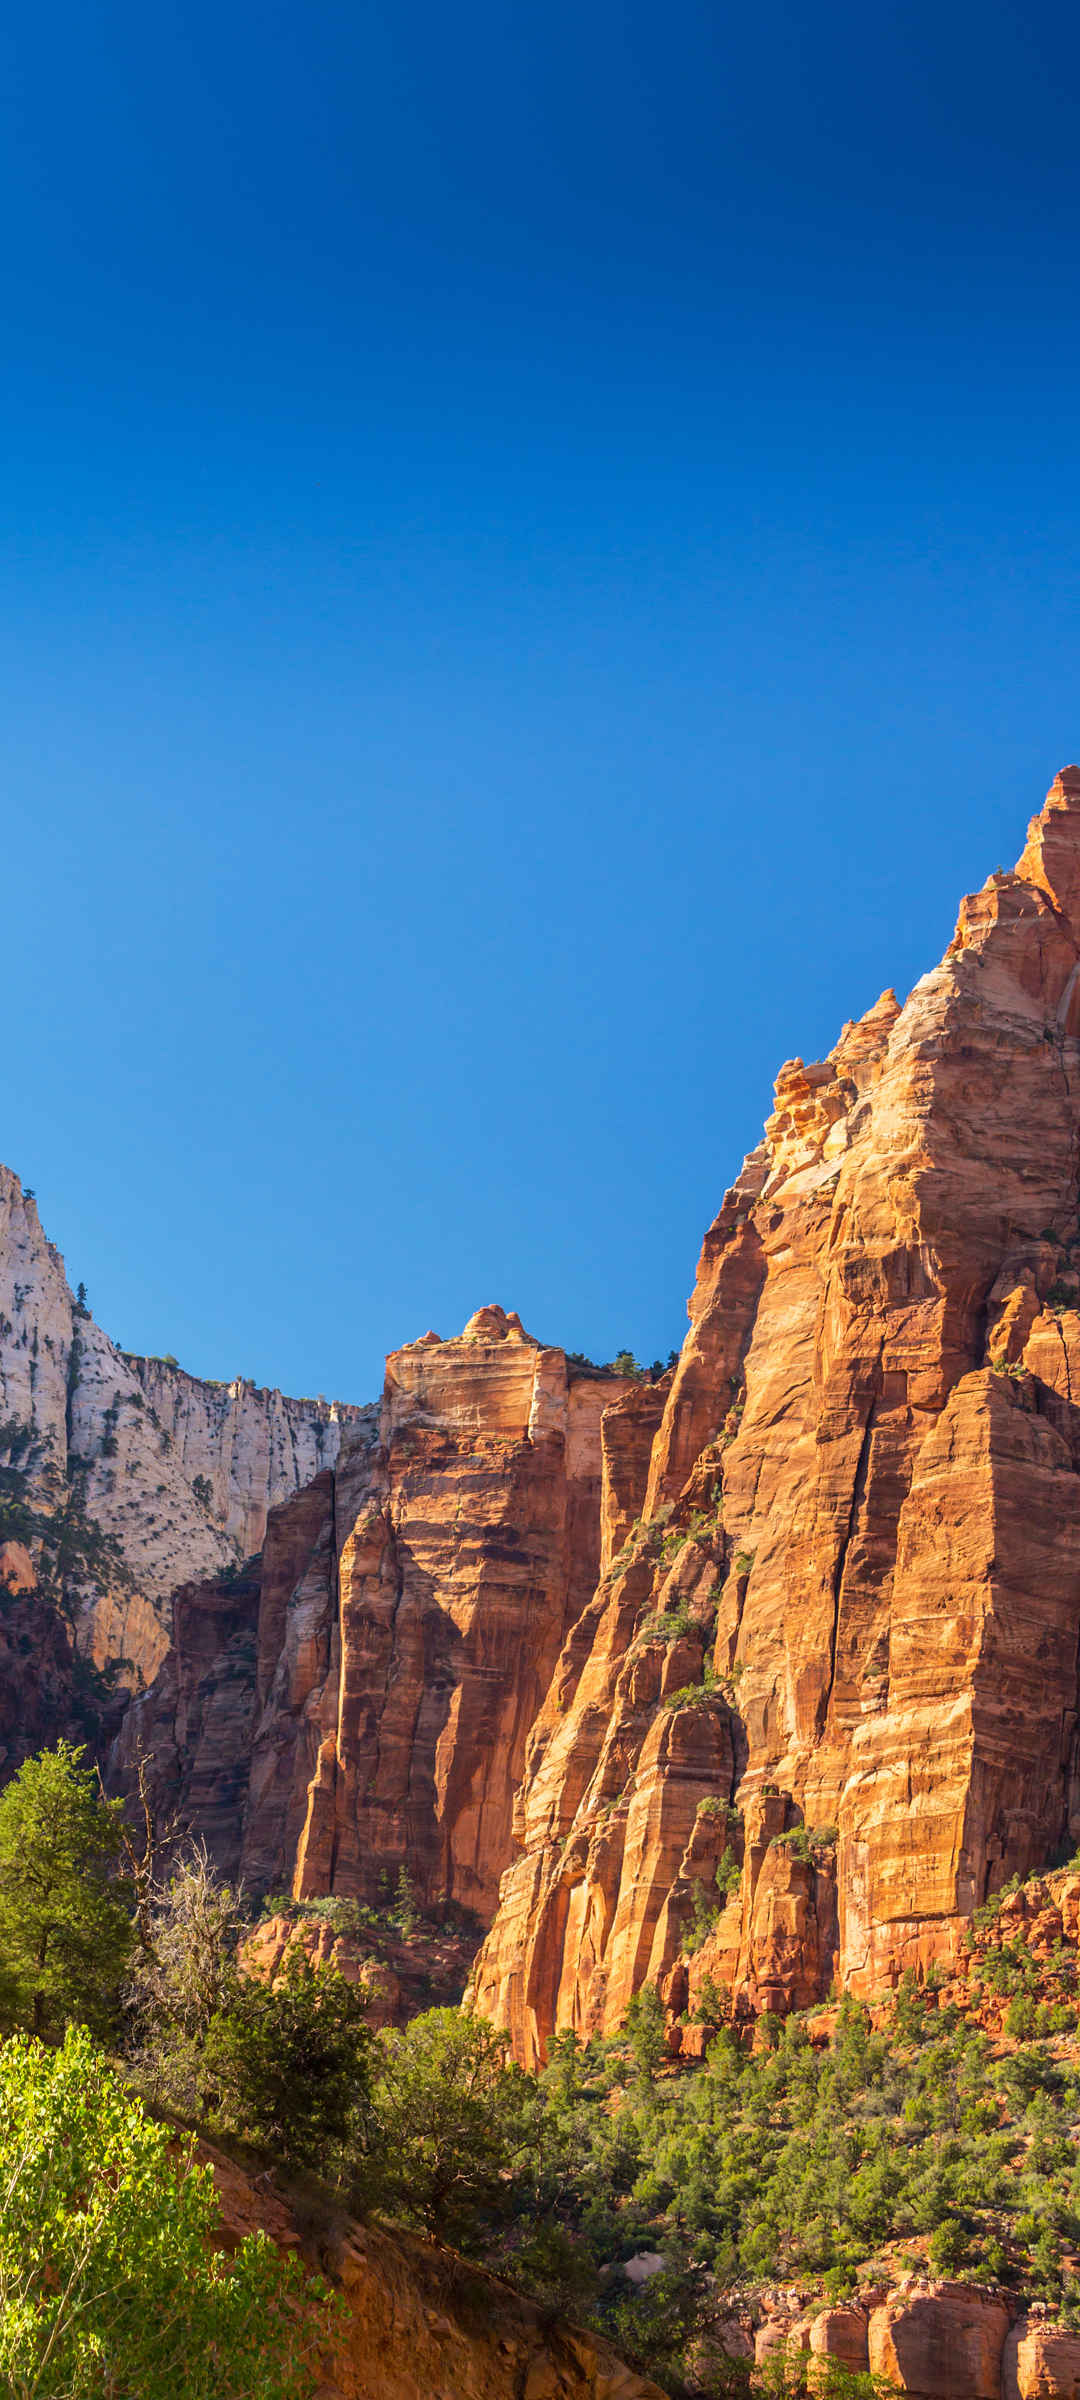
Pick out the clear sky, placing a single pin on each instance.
(539, 559)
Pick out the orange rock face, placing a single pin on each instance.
(841, 2333)
(942, 2344)
(1040, 2362)
(417, 2323)
(363, 1705)
(398, 1972)
(857, 1554)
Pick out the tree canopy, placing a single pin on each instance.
(108, 2287)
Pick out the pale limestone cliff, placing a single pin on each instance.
(172, 1476)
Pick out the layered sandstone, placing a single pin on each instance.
(931, 2340)
(856, 1568)
(361, 1705)
(167, 1476)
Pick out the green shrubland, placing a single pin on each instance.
(818, 2155)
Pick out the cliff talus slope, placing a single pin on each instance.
(362, 1704)
(825, 1695)
(419, 2323)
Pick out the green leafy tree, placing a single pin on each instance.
(292, 2063)
(65, 1927)
(455, 2120)
(108, 2287)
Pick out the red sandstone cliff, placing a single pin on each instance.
(361, 1703)
(857, 1551)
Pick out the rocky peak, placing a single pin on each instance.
(826, 1690)
(492, 1324)
(363, 1707)
(1050, 859)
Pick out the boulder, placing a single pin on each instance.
(941, 2343)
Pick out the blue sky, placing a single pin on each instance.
(539, 559)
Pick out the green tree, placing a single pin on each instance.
(108, 2286)
(65, 1928)
(455, 2120)
(405, 1914)
(644, 2023)
(292, 2062)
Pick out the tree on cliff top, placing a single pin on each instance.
(65, 1929)
(108, 2285)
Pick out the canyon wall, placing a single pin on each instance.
(825, 1695)
(149, 1475)
(360, 1703)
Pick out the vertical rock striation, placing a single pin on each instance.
(363, 1706)
(825, 1695)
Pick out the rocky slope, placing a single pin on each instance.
(418, 2323)
(421, 2324)
(152, 1475)
(825, 1696)
(360, 1703)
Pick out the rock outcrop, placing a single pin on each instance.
(825, 1697)
(154, 1475)
(944, 2343)
(47, 1692)
(418, 2323)
(932, 2340)
(360, 1705)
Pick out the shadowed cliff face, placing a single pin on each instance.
(362, 1704)
(857, 1560)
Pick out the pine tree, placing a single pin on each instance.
(65, 1928)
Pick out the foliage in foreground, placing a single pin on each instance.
(286, 2067)
(107, 2285)
(923, 2141)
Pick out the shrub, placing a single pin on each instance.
(948, 2246)
(453, 2119)
(292, 2065)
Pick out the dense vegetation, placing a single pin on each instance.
(811, 2157)
(107, 2285)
